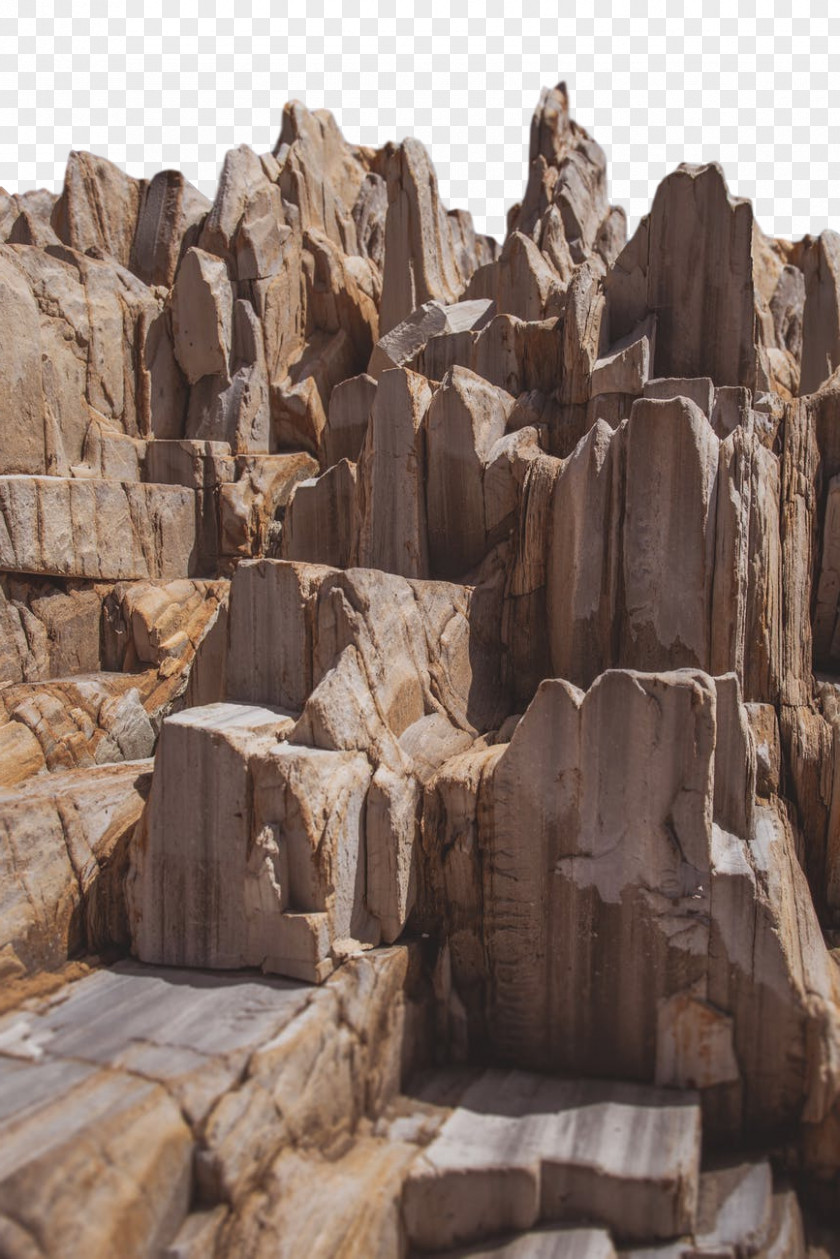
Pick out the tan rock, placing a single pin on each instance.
(252, 507)
(350, 406)
(22, 429)
(97, 371)
(270, 1071)
(731, 409)
(765, 732)
(519, 1149)
(706, 306)
(392, 475)
(546, 1243)
(169, 218)
(626, 368)
(747, 624)
(466, 417)
(320, 174)
(581, 581)
(428, 323)
(170, 887)
(525, 627)
(96, 529)
(627, 458)
(28, 212)
(300, 401)
(111, 455)
(202, 312)
(309, 1086)
(665, 440)
(821, 318)
(63, 835)
(320, 524)
(50, 629)
(242, 180)
(387, 652)
(96, 719)
(98, 207)
(421, 260)
(271, 632)
(526, 285)
(584, 333)
(708, 852)
(197, 464)
(566, 182)
(335, 299)
(115, 1139)
(798, 510)
(700, 390)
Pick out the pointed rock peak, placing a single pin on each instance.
(550, 125)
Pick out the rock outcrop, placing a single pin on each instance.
(419, 715)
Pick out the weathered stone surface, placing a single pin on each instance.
(170, 215)
(626, 368)
(63, 848)
(171, 891)
(428, 253)
(115, 1141)
(27, 214)
(565, 204)
(202, 314)
(676, 440)
(49, 629)
(349, 412)
(94, 719)
(531, 658)
(253, 506)
(97, 529)
(519, 1149)
(197, 464)
(821, 318)
(700, 390)
(392, 477)
(272, 611)
(400, 346)
(696, 1024)
(320, 523)
(103, 353)
(98, 207)
(262, 1071)
(466, 418)
(734, 1208)
(545, 1243)
(21, 390)
(705, 302)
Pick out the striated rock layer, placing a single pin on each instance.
(419, 715)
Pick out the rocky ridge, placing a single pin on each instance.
(419, 715)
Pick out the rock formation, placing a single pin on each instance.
(419, 715)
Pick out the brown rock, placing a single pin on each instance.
(421, 258)
(202, 308)
(706, 307)
(821, 320)
(392, 476)
(466, 419)
(98, 207)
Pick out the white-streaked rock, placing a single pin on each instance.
(519, 1149)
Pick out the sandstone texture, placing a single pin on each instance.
(419, 715)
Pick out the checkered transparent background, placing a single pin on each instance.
(743, 82)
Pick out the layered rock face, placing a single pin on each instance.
(420, 715)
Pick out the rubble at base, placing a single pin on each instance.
(419, 716)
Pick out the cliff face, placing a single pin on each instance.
(419, 714)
